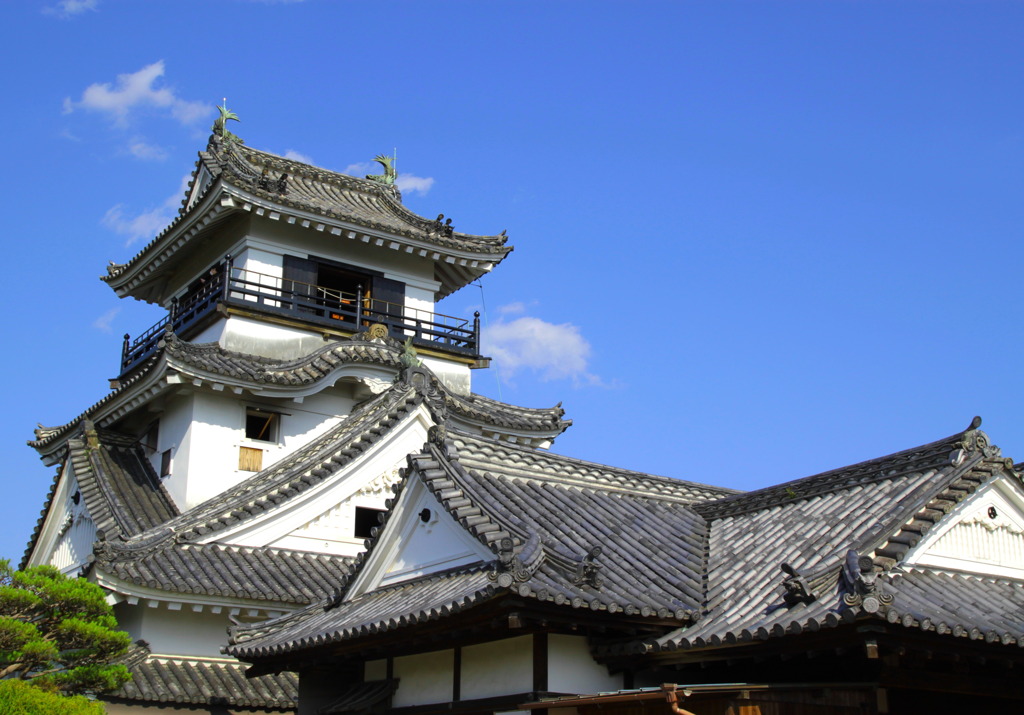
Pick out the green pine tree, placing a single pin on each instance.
(58, 632)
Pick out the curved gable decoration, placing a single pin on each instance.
(984, 535)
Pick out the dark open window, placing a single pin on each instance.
(262, 425)
(332, 290)
(165, 463)
(366, 519)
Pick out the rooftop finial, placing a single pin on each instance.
(220, 124)
(390, 174)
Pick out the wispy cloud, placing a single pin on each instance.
(141, 149)
(297, 156)
(412, 184)
(359, 169)
(66, 9)
(147, 223)
(105, 323)
(134, 91)
(553, 352)
(407, 183)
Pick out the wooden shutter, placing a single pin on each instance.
(299, 274)
(388, 303)
(250, 459)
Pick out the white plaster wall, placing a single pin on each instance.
(175, 435)
(182, 632)
(254, 337)
(424, 678)
(218, 431)
(571, 668)
(502, 667)
(213, 451)
(455, 376)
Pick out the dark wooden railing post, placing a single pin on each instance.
(227, 275)
(359, 305)
(124, 350)
(174, 308)
(476, 332)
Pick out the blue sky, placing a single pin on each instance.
(754, 241)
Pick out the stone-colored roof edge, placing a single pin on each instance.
(83, 443)
(520, 554)
(111, 562)
(46, 437)
(191, 681)
(244, 640)
(644, 478)
(901, 462)
(293, 167)
(222, 173)
(298, 372)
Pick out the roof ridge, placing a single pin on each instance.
(902, 462)
(534, 454)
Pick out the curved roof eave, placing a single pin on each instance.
(352, 208)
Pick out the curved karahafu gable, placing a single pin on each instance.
(232, 179)
(178, 363)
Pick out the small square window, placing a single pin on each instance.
(366, 519)
(261, 425)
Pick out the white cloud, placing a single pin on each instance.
(140, 149)
(360, 169)
(412, 184)
(555, 352)
(407, 183)
(148, 223)
(66, 9)
(134, 91)
(297, 156)
(104, 323)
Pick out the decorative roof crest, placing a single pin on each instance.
(861, 583)
(390, 175)
(798, 589)
(220, 124)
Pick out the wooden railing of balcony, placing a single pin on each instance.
(310, 303)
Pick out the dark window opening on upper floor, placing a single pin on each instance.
(366, 519)
(262, 425)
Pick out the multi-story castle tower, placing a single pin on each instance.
(248, 444)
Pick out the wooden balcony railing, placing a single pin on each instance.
(307, 302)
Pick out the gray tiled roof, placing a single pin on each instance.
(122, 493)
(878, 509)
(210, 359)
(198, 681)
(332, 196)
(542, 516)
(258, 574)
(670, 551)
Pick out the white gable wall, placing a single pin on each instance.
(66, 539)
(416, 543)
(305, 521)
(984, 535)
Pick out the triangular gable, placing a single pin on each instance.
(200, 182)
(321, 519)
(68, 532)
(420, 538)
(983, 535)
